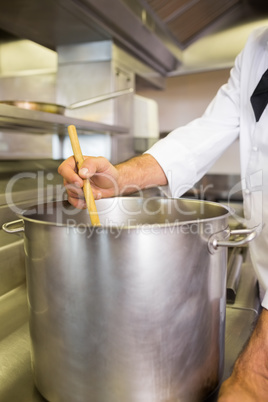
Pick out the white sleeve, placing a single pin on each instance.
(188, 152)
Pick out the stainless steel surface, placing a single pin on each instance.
(241, 237)
(59, 109)
(217, 187)
(94, 52)
(16, 378)
(12, 262)
(176, 16)
(153, 31)
(39, 106)
(106, 126)
(80, 22)
(143, 144)
(32, 121)
(13, 313)
(233, 274)
(112, 72)
(126, 325)
(74, 82)
(27, 182)
(18, 227)
(101, 98)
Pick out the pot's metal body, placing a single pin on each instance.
(132, 311)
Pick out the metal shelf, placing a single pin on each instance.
(32, 121)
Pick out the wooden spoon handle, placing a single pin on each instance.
(91, 206)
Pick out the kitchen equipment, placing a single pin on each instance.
(145, 123)
(133, 310)
(234, 268)
(59, 109)
(91, 206)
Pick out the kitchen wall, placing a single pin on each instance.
(186, 98)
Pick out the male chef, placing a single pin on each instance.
(183, 157)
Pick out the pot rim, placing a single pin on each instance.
(226, 211)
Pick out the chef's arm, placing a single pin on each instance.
(138, 173)
(107, 180)
(249, 379)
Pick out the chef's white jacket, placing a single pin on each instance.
(188, 152)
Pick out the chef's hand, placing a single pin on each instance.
(249, 379)
(107, 180)
(102, 174)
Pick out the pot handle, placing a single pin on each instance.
(7, 227)
(247, 236)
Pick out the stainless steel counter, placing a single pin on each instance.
(16, 380)
(15, 367)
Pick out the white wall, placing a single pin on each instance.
(186, 98)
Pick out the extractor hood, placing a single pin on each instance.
(155, 31)
(53, 23)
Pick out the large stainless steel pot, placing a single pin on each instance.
(133, 311)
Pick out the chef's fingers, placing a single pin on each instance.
(73, 189)
(75, 195)
(97, 166)
(102, 174)
(77, 202)
(93, 165)
(68, 171)
(103, 177)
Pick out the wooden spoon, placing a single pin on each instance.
(91, 206)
